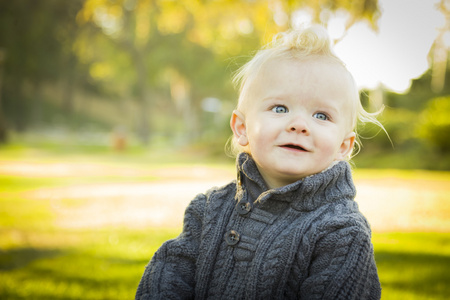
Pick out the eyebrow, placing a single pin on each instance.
(327, 106)
(274, 98)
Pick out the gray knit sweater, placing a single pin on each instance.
(306, 240)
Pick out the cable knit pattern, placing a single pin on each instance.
(306, 240)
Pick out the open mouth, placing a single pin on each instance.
(294, 147)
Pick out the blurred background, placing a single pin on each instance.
(158, 73)
(106, 104)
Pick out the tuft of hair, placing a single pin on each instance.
(313, 40)
(309, 42)
(302, 44)
(364, 117)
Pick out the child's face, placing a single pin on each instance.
(297, 119)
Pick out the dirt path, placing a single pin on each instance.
(390, 204)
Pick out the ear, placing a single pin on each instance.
(237, 124)
(346, 146)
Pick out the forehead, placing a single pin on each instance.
(314, 76)
(322, 71)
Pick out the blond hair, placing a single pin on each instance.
(306, 44)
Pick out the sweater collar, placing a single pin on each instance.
(307, 194)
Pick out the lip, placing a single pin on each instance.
(294, 147)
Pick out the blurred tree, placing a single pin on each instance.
(415, 122)
(3, 133)
(36, 38)
(435, 123)
(141, 47)
(439, 52)
(149, 50)
(127, 53)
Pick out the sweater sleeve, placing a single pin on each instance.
(343, 264)
(170, 273)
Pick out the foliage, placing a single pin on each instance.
(436, 124)
(181, 47)
(417, 126)
(146, 68)
(35, 39)
(146, 58)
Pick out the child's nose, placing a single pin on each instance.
(298, 125)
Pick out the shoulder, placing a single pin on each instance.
(222, 190)
(200, 210)
(342, 218)
(340, 231)
(340, 259)
(213, 196)
(216, 194)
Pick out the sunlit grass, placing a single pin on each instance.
(97, 264)
(14, 184)
(135, 155)
(107, 264)
(40, 260)
(384, 174)
(413, 265)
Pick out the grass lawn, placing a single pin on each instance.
(413, 265)
(41, 260)
(60, 264)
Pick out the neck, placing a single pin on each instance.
(280, 182)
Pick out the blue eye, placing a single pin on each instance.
(280, 109)
(321, 116)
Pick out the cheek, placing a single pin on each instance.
(329, 148)
(330, 143)
(256, 131)
(256, 140)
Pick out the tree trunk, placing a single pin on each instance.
(144, 129)
(3, 130)
(68, 88)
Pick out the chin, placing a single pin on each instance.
(294, 176)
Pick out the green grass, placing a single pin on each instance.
(39, 260)
(413, 265)
(99, 264)
(107, 264)
(135, 155)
